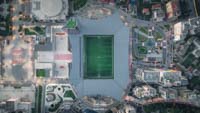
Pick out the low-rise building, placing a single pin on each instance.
(188, 54)
(172, 10)
(144, 91)
(188, 95)
(149, 76)
(15, 104)
(20, 92)
(181, 29)
(166, 78)
(97, 104)
(158, 13)
(146, 11)
(168, 93)
(171, 78)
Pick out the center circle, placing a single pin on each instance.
(51, 7)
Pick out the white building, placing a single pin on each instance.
(149, 76)
(158, 15)
(172, 10)
(178, 31)
(167, 78)
(168, 93)
(50, 9)
(56, 94)
(23, 92)
(181, 29)
(25, 106)
(15, 104)
(144, 91)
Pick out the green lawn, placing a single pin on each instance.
(69, 94)
(141, 38)
(40, 73)
(98, 56)
(34, 31)
(39, 30)
(158, 36)
(144, 30)
(71, 24)
(142, 50)
(167, 26)
(7, 26)
(28, 32)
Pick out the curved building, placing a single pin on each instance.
(50, 9)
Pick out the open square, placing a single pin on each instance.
(98, 56)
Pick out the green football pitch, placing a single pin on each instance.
(98, 56)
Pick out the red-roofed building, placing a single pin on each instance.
(146, 11)
(157, 13)
(156, 6)
(172, 9)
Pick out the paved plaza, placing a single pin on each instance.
(18, 60)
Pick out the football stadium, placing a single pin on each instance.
(98, 56)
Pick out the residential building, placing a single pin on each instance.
(166, 78)
(144, 91)
(96, 104)
(172, 10)
(188, 95)
(194, 24)
(181, 29)
(158, 13)
(168, 93)
(149, 76)
(14, 105)
(171, 78)
(146, 11)
(20, 92)
(187, 53)
(196, 51)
